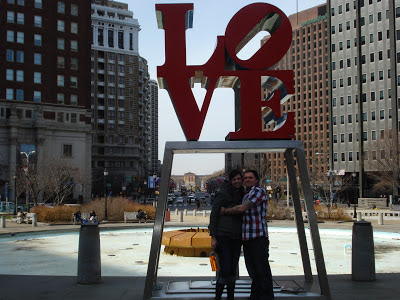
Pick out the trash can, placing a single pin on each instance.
(89, 263)
(363, 255)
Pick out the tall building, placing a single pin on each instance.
(364, 71)
(121, 98)
(45, 87)
(154, 162)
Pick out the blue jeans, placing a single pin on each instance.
(228, 250)
(256, 259)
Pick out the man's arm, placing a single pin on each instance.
(238, 209)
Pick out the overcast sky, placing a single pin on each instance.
(210, 20)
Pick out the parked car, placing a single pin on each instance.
(191, 199)
(179, 200)
(170, 200)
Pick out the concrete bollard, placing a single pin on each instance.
(34, 220)
(204, 213)
(363, 256)
(3, 221)
(185, 212)
(176, 211)
(380, 219)
(359, 216)
(180, 216)
(89, 263)
(194, 212)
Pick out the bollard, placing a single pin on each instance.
(168, 215)
(185, 212)
(89, 263)
(363, 256)
(380, 219)
(176, 211)
(359, 216)
(34, 220)
(180, 216)
(204, 213)
(3, 221)
(194, 212)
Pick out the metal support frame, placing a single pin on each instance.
(249, 146)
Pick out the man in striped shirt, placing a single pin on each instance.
(254, 208)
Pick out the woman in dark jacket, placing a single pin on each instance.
(226, 233)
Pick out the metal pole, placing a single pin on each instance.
(15, 194)
(105, 195)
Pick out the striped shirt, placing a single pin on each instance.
(255, 218)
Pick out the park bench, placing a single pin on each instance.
(84, 216)
(27, 219)
(131, 216)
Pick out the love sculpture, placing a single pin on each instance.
(225, 69)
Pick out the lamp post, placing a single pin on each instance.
(26, 173)
(105, 194)
(354, 174)
(15, 193)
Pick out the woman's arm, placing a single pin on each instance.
(215, 214)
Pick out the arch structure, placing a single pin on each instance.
(289, 148)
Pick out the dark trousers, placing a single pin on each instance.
(256, 258)
(228, 250)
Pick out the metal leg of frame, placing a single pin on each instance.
(312, 220)
(158, 229)
(298, 216)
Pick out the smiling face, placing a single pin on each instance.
(237, 181)
(250, 180)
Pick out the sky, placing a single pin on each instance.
(209, 21)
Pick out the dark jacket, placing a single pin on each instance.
(227, 198)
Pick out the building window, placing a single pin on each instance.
(100, 36)
(350, 137)
(74, 27)
(111, 38)
(74, 81)
(350, 156)
(74, 45)
(38, 3)
(74, 9)
(60, 117)
(19, 94)
(10, 17)
(38, 21)
(37, 77)
(20, 57)
(60, 62)
(10, 55)
(20, 76)
(37, 39)
(373, 116)
(37, 96)
(60, 25)
(382, 114)
(120, 39)
(21, 2)
(10, 36)
(10, 94)
(73, 117)
(373, 135)
(74, 99)
(60, 98)
(67, 150)
(20, 37)
(61, 44)
(37, 58)
(10, 74)
(60, 80)
(335, 157)
(61, 7)
(74, 64)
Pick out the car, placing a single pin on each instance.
(170, 200)
(203, 199)
(191, 199)
(179, 200)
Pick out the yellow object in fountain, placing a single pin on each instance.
(187, 242)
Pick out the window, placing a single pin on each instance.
(21, 2)
(349, 119)
(372, 57)
(73, 117)
(335, 138)
(74, 45)
(372, 96)
(74, 64)
(67, 150)
(371, 37)
(74, 9)
(10, 36)
(60, 98)
(37, 96)
(380, 75)
(60, 80)
(19, 94)
(20, 37)
(10, 94)
(74, 99)
(371, 19)
(365, 136)
(37, 77)
(373, 116)
(343, 156)
(350, 156)
(61, 7)
(60, 25)
(20, 57)
(350, 137)
(37, 58)
(10, 74)
(364, 116)
(20, 76)
(373, 135)
(61, 44)
(342, 138)
(10, 55)
(38, 3)
(60, 117)
(348, 99)
(74, 27)
(37, 39)
(74, 81)
(382, 114)
(60, 62)
(10, 17)
(38, 21)
(11, 1)
(335, 157)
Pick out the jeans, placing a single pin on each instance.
(228, 250)
(256, 259)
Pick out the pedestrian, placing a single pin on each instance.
(197, 204)
(226, 234)
(254, 208)
(92, 217)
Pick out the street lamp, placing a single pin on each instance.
(15, 193)
(105, 194)
(26, 173)
(354, 174)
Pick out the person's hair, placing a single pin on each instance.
(234, 173)
(254, 173)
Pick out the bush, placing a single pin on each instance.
(57, 214)
(278, 211)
